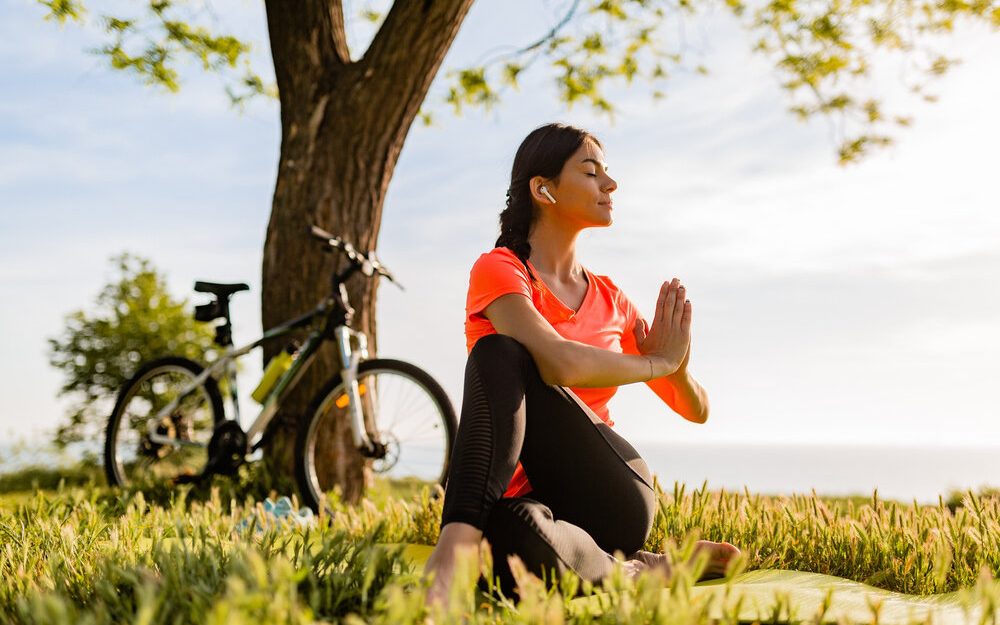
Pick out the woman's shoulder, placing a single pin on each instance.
(500, 252)
(499, 266)
(499, 259)
(495, 273)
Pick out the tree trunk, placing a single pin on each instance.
(343, 124)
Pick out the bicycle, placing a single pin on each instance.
(177, 430)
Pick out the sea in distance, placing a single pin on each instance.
(900, 473)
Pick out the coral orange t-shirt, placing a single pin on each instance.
(605, 319)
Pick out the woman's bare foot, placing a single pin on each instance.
(719, 555)
(647, 560)
(456, 539)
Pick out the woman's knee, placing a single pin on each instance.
(499, 348)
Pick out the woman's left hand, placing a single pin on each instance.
(640, 330)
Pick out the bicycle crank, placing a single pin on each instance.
(227, 450)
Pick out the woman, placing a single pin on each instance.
(537, 470)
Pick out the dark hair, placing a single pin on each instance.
(543, 152)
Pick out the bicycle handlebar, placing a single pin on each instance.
(368, 263)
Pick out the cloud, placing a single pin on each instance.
(826, 300)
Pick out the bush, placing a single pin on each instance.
(135, 319)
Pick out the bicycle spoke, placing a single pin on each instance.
(182, 434)
(409, 420)
(411, 433)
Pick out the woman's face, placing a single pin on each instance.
(583, 195)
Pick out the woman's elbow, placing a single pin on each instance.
(701, 416)
(559, 369)
(558, 373)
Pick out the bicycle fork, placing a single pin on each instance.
(350, 358)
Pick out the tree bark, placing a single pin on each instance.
(343, 124)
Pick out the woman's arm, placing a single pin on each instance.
(589, 366)
(565, 362)
(683, 394)
(570, 363)
(679, 390)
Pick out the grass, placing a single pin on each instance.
(83, 553)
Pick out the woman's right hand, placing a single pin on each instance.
(669, 336)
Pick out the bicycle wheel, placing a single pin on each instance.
(411, 412)
(130, 456)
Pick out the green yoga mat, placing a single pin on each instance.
(761, 591)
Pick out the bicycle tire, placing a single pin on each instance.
(305, 472)
(112, 468)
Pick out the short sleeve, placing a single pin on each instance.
(496, 273)
(631, 314)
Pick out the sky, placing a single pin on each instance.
(831, 305)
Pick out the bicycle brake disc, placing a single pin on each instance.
(387, 453)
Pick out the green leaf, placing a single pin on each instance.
(62, 10)
(593, 43)
(511, 72)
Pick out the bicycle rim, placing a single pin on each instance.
(140, 461)
(409, 419)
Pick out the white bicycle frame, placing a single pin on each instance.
(225, 366)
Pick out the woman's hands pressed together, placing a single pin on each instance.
(667, 342)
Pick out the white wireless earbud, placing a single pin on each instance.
(546, 193)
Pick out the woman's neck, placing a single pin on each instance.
(553, 252)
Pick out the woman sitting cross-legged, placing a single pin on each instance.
(537, 469)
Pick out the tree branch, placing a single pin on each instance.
(308, 42)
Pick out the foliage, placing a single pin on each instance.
(153, 42)
(95, 555)
(36, 477)
(134, 319)
(822, 51)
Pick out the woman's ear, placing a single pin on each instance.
(536, 183)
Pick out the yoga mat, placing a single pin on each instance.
(761, 591)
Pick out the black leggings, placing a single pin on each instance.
(592, 492)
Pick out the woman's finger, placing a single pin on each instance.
(669, 305)
(679, 304)
(686, 317)
(639, 330)
(660, 301)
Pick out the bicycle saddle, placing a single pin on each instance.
(220, 290)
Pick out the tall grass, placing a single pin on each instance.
(93, 555)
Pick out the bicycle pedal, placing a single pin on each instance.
(189, 478)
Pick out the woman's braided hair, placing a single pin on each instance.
(543, 152)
